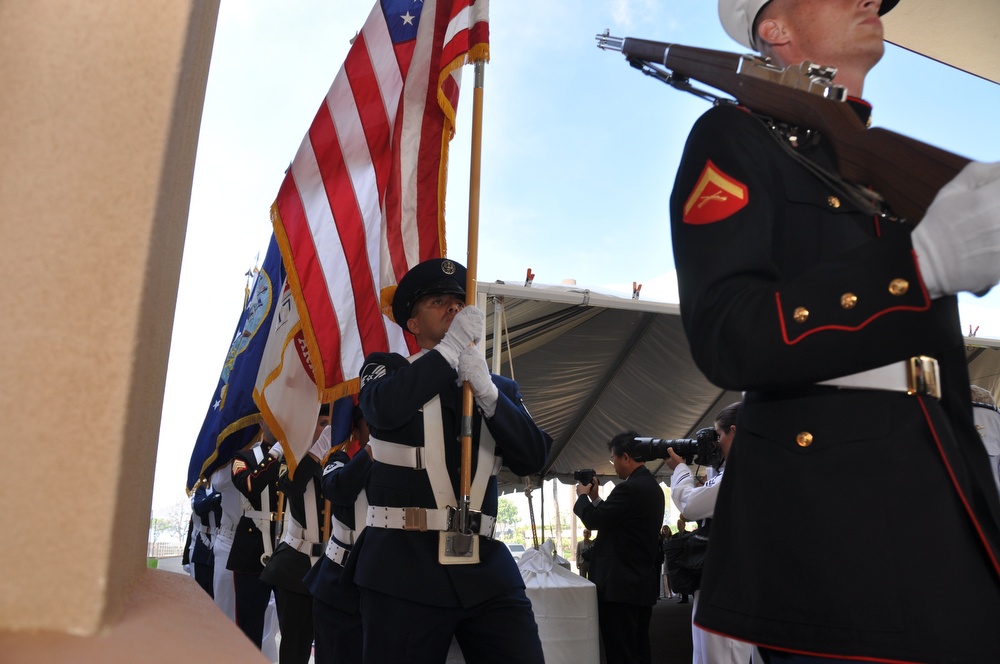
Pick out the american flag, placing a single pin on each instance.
(363, 200)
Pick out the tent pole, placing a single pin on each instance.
(497, 341)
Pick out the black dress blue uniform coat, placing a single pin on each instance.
(251, 477)
(405, 564)
(889, 520)
(287, 565)
(336, 600)
(246, 559)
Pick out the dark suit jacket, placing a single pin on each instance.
(623, 564)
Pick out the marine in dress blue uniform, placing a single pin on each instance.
(255, 476)
(790, 290)
(412, 603)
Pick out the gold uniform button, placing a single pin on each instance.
(801, 315)
(848, 300)
(804, 439)
(899, 287)
(833, 202)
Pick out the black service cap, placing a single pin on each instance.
(432, 277)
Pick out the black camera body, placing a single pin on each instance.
(703, 450)
(585, 476)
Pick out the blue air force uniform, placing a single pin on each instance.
(412, 604)
(336, 600)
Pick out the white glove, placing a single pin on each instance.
(958, 241)
(466, 328)
(472, 368)
(322, 444)
(276, 450)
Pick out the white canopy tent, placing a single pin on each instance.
(591, 366)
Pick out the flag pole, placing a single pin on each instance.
(463, 541)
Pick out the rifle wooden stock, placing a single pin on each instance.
(907, 172)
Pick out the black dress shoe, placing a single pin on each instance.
(683, 600)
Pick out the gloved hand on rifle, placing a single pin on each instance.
(958, 241)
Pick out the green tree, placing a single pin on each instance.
(507, 515)
(157, 526)
(178, 517)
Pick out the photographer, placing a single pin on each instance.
(623, 562)
(697, 503)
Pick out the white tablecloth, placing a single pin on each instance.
(565, 606)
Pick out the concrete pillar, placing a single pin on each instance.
(100, 110)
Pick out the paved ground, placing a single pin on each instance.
(669, 631)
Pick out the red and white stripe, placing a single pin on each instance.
(363, 200)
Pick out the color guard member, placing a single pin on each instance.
(421, 583)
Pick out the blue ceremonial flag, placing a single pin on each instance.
(233, 418)
(342, 423)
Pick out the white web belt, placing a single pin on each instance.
(916, 375)
(421, 519)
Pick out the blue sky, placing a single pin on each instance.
(579, 153)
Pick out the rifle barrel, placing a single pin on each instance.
(907, 172)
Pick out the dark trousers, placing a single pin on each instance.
(625, 632)
(338, 635)
(500, 631)
(295, 619)
(252, 596)
(204, 575)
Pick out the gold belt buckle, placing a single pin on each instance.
(415, 518)
(922, 376)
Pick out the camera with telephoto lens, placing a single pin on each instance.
(703, 450)
(585, 476)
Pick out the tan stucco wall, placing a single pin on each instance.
(168, 619)
(964, 34)
(99, 115)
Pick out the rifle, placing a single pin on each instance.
(906, 172)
